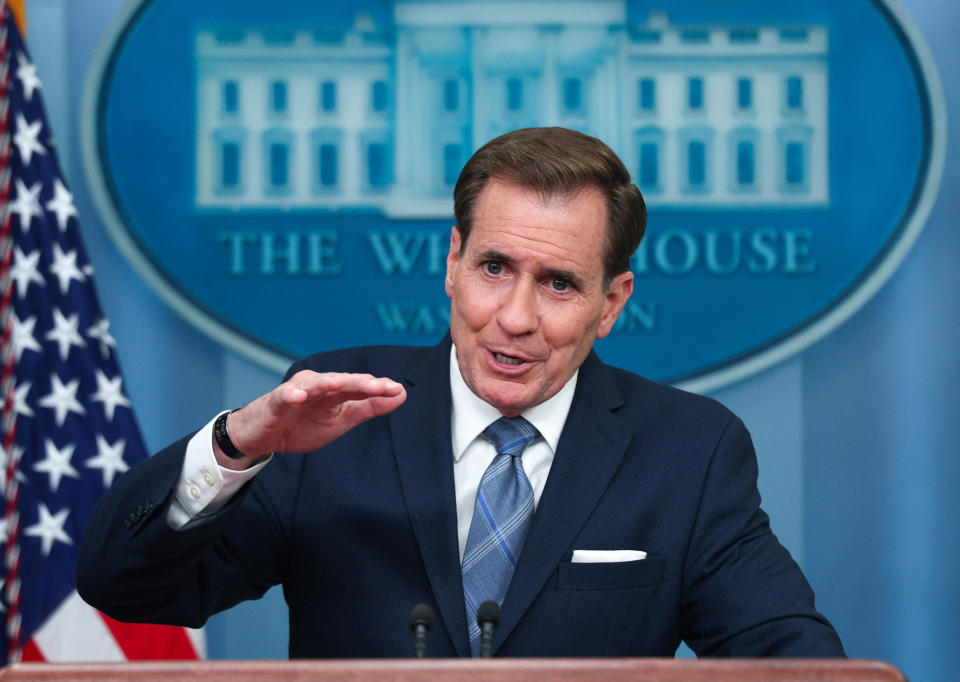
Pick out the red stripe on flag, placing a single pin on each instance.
(142, 642)
(31, 652)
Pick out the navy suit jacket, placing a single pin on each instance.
(360, 531)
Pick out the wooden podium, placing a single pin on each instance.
(450, 670)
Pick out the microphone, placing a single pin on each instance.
(421, 620)
(488, 618)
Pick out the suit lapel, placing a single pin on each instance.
(422, 443)
(588, 455)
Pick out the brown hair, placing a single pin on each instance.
(558, 161)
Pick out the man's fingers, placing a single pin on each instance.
(310, 409)
(357, 411)
(336, 387)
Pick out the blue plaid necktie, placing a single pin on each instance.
(501, 519)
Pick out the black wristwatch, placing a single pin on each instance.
(222, 436)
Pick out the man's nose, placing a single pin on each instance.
(518, 313)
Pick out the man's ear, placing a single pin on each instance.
(453, 259)
(615, 298)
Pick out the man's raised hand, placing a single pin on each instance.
(306, 412)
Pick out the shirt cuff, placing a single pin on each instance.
(204, 486)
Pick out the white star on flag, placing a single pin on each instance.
(62, 398)
(27, 73)
(49, 528)
(109, 393)
(64, 266)
(62, 204)
(27, 204)
(26, 139)
(101, 332)
(56, 464)
(24, 270)
(109, 458)
(22, 336)
(20, 399)
(65, 332)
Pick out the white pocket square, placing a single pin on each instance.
(606, 556)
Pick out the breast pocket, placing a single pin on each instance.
(611, 576)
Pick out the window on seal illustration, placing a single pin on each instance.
(278, 157)
(279, 165)
(695, 35)
(695, 94)
(327, 162)
(695, 159)
(451, 94)
(278, 97)
(649, 146)
(378, 96)
(328, 96)
(377, 158)
(743, 159)
(746, 163)
(377, 164)
(452, 163)
(231, 97)
(794, 173)
(649, 165)
(744, 35)
(572, 95)
(794, 158)
(230, 165)
(328, 165)
(325, 143)
(744, 94)
(514, 94)
(647, 94)
(228, 169)
(696, 163)
(794, 93)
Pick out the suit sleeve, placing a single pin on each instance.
(134, 567)
(743, 594)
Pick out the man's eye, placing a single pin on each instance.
(493, 267)
(559, 284)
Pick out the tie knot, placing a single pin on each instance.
(510, 435)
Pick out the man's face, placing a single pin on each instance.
(527, 292)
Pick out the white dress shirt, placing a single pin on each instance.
(473, 454)
(204, 486)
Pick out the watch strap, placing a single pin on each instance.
(222, 436)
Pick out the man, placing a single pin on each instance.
(385, 492)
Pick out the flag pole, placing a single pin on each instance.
(8, 419)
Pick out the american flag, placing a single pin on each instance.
(67, 427)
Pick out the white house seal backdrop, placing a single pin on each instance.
(301, 159)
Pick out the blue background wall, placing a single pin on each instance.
(857, 436)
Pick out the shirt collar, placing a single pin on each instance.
(471, 415)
